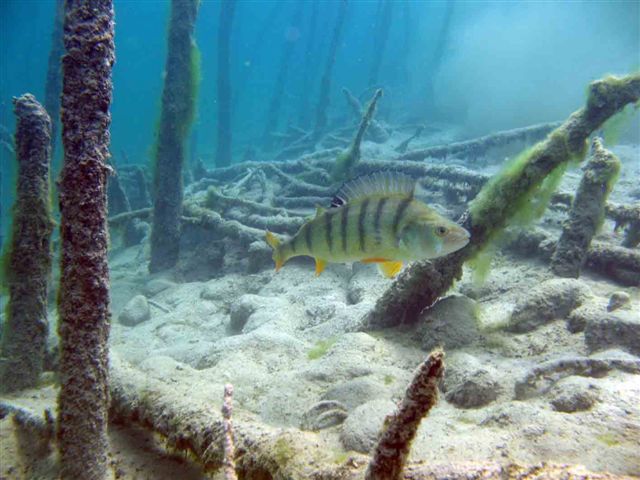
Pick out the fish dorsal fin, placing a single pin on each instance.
(378, 183)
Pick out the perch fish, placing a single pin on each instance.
(373, 219)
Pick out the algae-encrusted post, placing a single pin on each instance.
(400, 428)
(345, 162)
(587, 212)
(83, 299)
(178, 106)
(507, 194)
(28, 261)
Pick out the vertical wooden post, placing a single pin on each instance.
(178, 107)
(28, 259)
(84, 278)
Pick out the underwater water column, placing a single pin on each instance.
(28, 266)
(275, 104)
(587, 212)
(308, 70)
(325, 82)
(83, 299)
(380, 36)
(53, 85)
(178, 106)
(223, 148)
(429, 104)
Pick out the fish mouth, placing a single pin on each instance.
(460, 237)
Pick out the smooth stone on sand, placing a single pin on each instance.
(361, 428)
(157, 285)
(573, 394)
(450, 323)
(469, 384)
(135, 311)
(551, 300)
(356, 391)
(618, 300)
(614, 329)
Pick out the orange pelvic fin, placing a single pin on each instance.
(390, 269)
(320, 264)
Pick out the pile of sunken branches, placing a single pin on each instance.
(240, 202)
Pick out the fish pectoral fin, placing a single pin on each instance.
(374, 260)
(320, 264)
(390, 269)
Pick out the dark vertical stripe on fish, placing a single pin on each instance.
(378, 217)
(293, 243)
(343, 226)
(361, 217)
(402, 208)
(307, 236)
(328, 232)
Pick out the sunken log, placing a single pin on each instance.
(420, 285)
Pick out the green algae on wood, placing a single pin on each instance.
(420, 285)
(83, 298)
(27, 260)
(178, 107)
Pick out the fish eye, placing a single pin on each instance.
(441, 231)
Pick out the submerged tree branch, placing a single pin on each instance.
(420, 285)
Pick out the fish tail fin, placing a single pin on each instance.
(274, 243)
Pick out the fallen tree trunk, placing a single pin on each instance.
(268, 452)
(511, 191)
(477, 147)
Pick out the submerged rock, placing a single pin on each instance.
(618, 300)
(135, 312)
(614, 329)
(361, 428)
(356, 392)
(551, 300)
(157, 285)
(468, 383)
(450, 323)
(573, 394)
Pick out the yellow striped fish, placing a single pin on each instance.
(373, 219)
